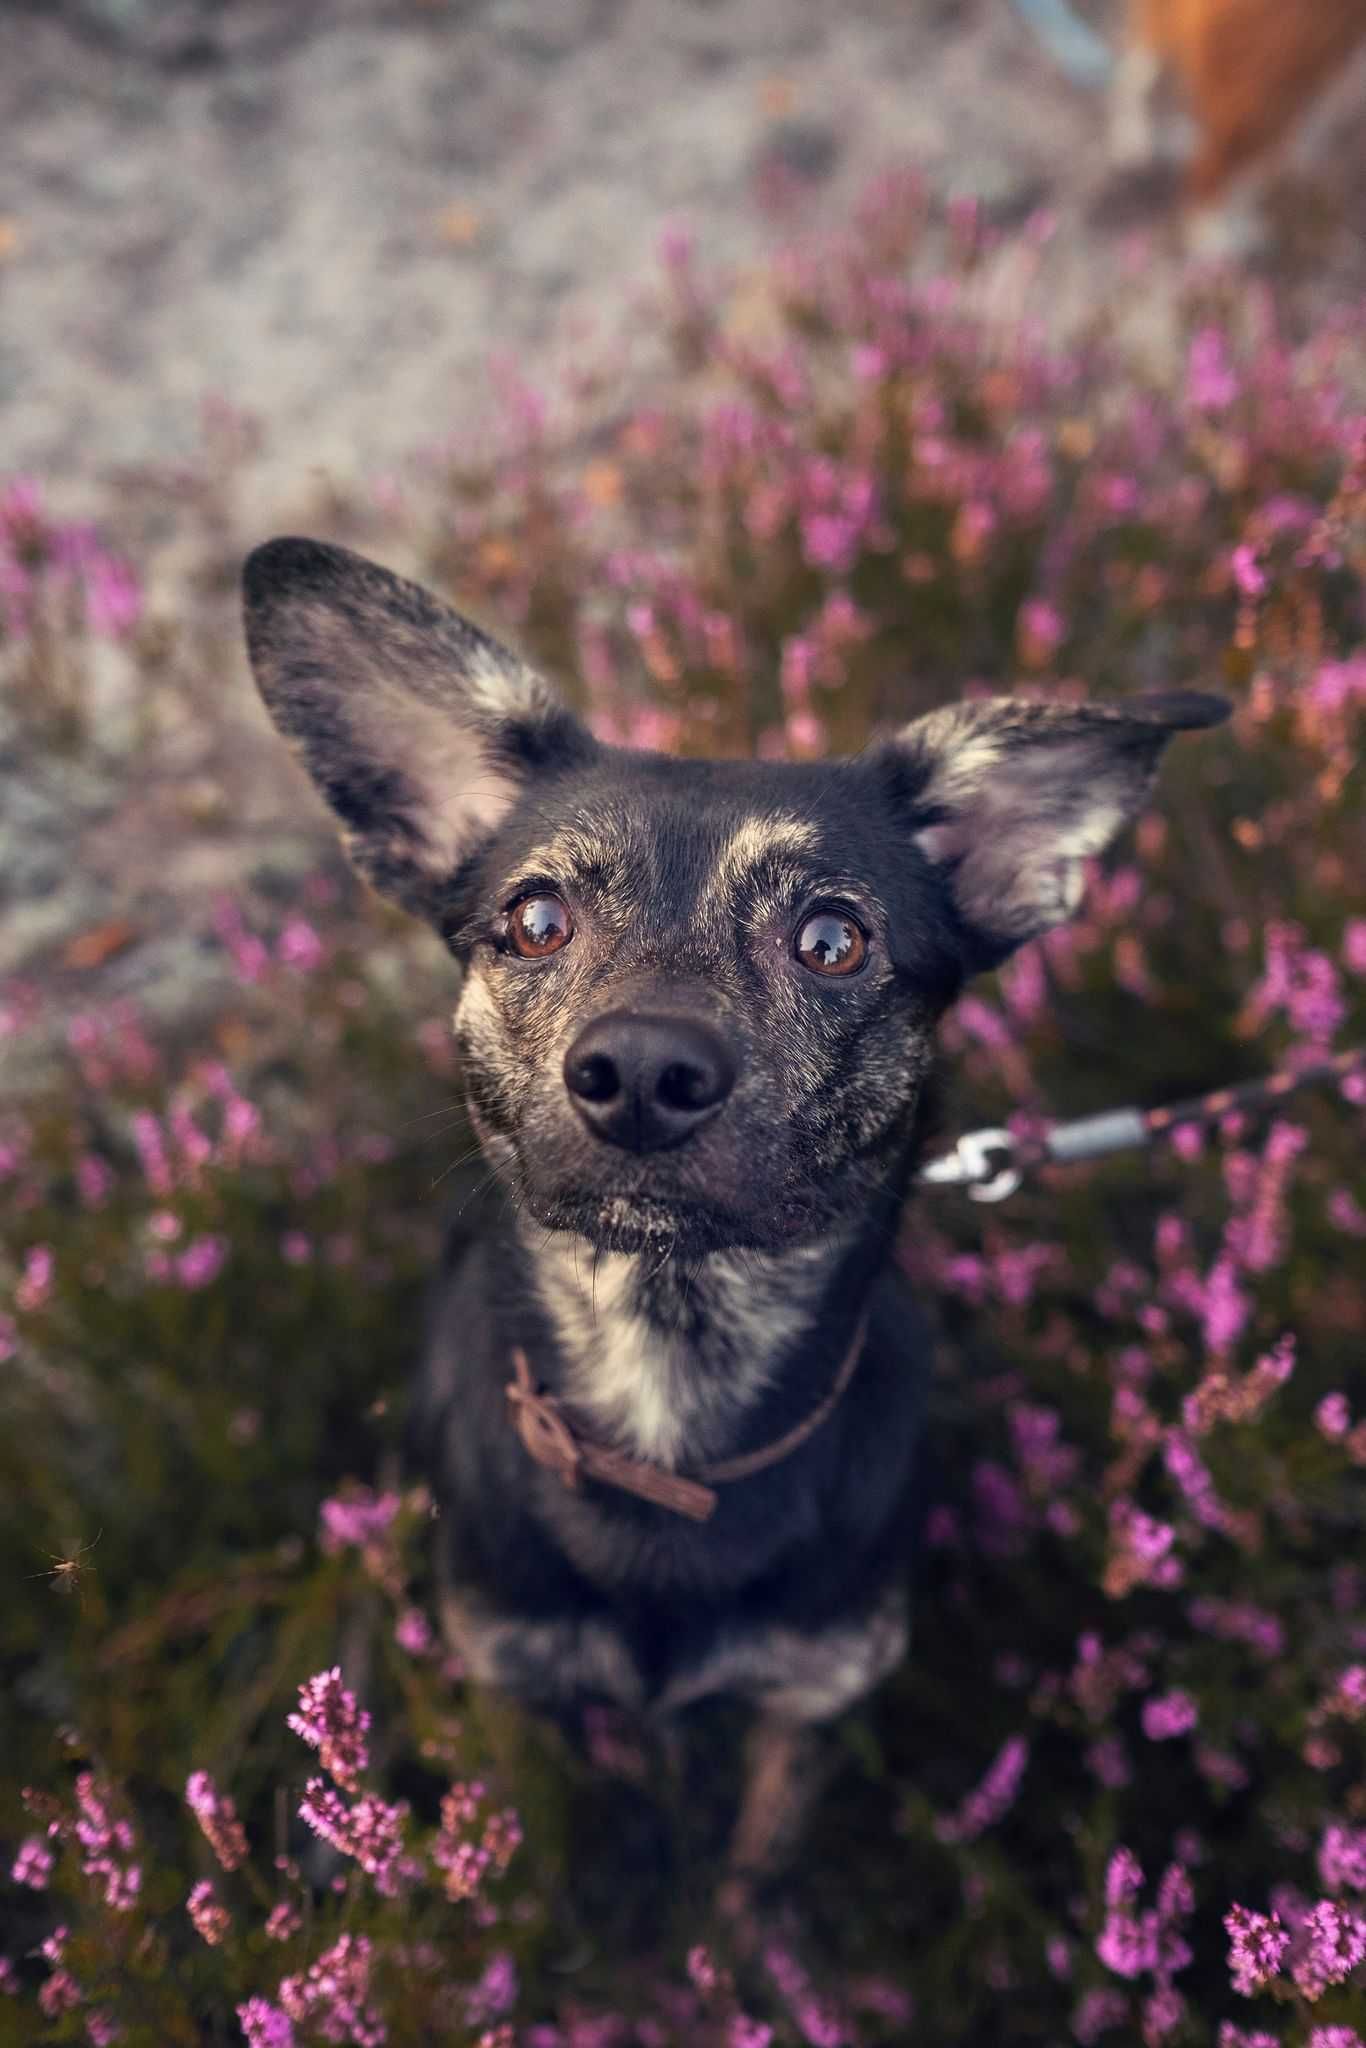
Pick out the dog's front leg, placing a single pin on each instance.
(785, 1765)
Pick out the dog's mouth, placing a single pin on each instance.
(627, 1220)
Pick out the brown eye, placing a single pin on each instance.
(831, 943)
(539, 925)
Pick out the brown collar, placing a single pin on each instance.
(550, 1439)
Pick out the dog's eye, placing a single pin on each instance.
(831, 943)
(539, 925)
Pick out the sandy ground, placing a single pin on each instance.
(332, 213)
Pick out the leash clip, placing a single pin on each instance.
(983, 1162)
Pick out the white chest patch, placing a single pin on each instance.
(663, 1363)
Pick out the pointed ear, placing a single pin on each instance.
(1008, 797)
(418, 729)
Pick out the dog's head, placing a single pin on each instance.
(699, 997)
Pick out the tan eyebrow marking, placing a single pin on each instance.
(757, 841)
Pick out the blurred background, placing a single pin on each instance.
(768, 373)
(331, 214)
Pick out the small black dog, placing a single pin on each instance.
(696, 1022)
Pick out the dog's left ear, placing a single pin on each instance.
(1008, 797)
(418, 729)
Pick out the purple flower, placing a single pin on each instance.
(1211, 384)
(1168, 1715)
(495, 1992)
(299, 946)
(201, 1262)
(1248, 574)
(1333, 1417)
(283, 1921)
(1342, 1858)
(33, 1864)
(217, 1816)
(1257, 1949)
(371, 1831)
(264, 2025)
(36, 1285)
(212, 1920)
(331, 1996)
(412, 1633)
(992, 1799)
(331, 1721)
(1226, 1308)
(1098, 2011)
(359, 1519)
(1330, 1944)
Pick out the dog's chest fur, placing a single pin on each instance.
(664, 1360)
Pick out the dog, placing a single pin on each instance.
(672, 1397)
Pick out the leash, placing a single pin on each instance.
(991, 1164)
(551, 1440)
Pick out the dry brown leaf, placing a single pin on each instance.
(100, 943)
(459, 226)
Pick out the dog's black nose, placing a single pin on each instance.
(647, 1082)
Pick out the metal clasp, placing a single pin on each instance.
(976, 1163)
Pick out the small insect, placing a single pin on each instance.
(68, 1570)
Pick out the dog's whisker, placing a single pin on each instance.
(446, 1109)
(461, 1159)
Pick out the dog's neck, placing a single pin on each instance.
(665, 1358)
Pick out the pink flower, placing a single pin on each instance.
(331, 1721)
(299, 946)
(217, 1816)
(1333, 1417)
(61, 1993)
(33, 1864)
(1342, 1858)
(331, 1996)
(212, 1920)
(1098, 2010)
(992, 1799)
(1226, 1308)
(35, 1288)
(283, 1921)
(264, 2025)
(413, 1633)
(1211, 385)
(359, 1519)
(371, 1831)
(151, 1146)
(1248, 574)
(1170, 1715)
(1331, 1944)
(201, 1262)
(1123, 1878)
(495, 1992)
(106, 1844)
(1257, 1949)
(1039, 631)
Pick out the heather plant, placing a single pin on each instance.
(1119, 1790)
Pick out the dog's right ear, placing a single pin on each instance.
(417, 728)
